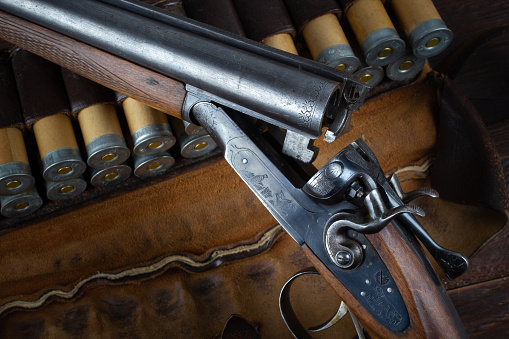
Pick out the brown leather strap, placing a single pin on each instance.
(217, 13)
(84, 93)
(264, 18)
(303, 11)
(467, 169)
(40, 86)
(10, 109)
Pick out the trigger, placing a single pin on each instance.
(342, 311)
(293, 324)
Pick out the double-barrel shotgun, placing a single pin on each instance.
(352, 222)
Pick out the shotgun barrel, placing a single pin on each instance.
(293, 97)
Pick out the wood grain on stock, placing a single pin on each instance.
(149, 87)
(432, 314)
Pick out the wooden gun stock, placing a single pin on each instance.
(432, 314)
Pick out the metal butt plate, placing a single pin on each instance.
(107, 150)
(152, 165)
(15, 178)
(65, 190)
(405, 68)
(20, 205)
(338, 55)
(194, 146)
(432, 31)
(63, 164)
(153, 139)
(370, 75)
(378, 41)
(110, 176)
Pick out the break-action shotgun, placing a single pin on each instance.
(353, 223)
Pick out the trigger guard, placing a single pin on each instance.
(286, 310)
(289, 316)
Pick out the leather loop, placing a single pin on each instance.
(84, 93)
(304, 11)
(218, 13)
(262, 19)
(10, 109)
(40, 86)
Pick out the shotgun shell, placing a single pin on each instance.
(60, 157)
(110, 176)
(21, 204)
(426, 31)
(65, 190)
(405, 68)
(153, 164)
(375, 32)
(107, 150)
(150, 130)
(15, 174)
(62, 164)
(370, 75)
(15, 178)
(153, 139)
(328, 44)
(193, 129)
(105, 143)
(192, 145)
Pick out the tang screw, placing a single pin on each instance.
(344, 258)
